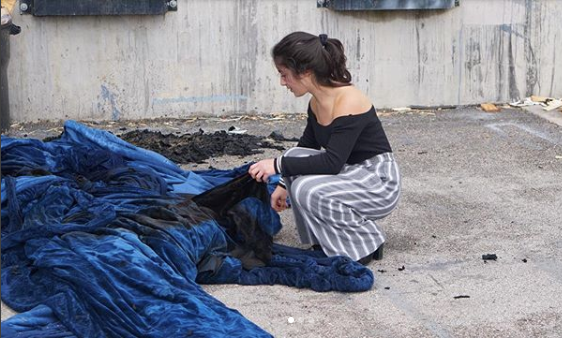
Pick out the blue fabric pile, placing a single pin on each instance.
(104, 239)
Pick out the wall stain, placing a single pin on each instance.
(421, 50)
(358, 47)
(509, 30)
(498, 41)
(418, 54)
(109, 97)
(459, 64)
(247, 52)
(513, 91)
(532, 64)
(473, 63)
(553, 68)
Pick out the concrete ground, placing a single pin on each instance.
(474, 183)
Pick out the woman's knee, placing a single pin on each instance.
(306, 191)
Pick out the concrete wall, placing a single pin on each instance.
(212, 57)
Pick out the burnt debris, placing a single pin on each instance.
(461, 296)
(199, 146)
(277, 136)
(489, 257)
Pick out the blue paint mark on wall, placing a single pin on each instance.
(108, 96)
(509, 29)
(198, 99)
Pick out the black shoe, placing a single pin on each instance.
(377, 256)
(315, 247)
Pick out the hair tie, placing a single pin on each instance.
(323, 39)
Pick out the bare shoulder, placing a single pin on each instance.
(351, 101)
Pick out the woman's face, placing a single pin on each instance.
(293, 82)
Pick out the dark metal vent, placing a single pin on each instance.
(97, 7)
(384, 5)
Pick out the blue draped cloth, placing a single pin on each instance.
(102, 239)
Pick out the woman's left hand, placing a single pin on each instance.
(261, 170)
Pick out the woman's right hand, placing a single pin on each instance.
(279, 199)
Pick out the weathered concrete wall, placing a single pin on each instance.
(212, 57)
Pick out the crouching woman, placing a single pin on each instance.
(341, 177)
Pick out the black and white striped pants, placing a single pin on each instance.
(339, 211)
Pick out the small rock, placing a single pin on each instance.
(489, 257)
(461, 296)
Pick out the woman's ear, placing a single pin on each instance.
(307, 74)
(309, 77)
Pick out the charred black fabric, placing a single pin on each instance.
(252, 241)
(197, 147)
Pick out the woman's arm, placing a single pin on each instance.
(345, 133)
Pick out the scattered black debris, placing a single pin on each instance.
(402, 268)
(387, 287)
(277, 136)
(419, 107)
(381, 270)
(199, 146)
(123, 128)
(433, 236)
(52, 138)
(489, 257)
(423, 152)
(524, 260)
(461, 296)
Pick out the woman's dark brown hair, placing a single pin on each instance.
(301, 52)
